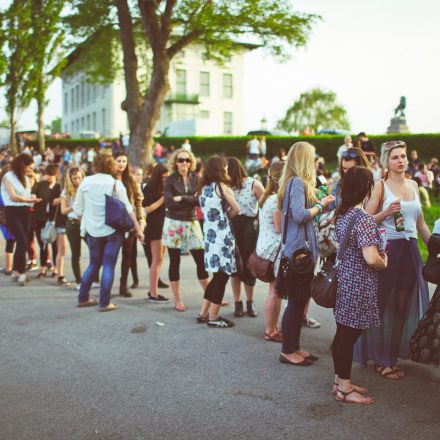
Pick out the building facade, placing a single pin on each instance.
(205, 99)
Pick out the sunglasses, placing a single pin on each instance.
(393, 144)
(183, 160)
(350, 155)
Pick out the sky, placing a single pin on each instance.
(369, 52)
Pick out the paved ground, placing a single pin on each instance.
(68, 373)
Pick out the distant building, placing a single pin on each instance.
(206, 99)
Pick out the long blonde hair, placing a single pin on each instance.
(274, 177)
(300, 162)
(68, 186)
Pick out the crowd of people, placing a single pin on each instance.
(226, 219)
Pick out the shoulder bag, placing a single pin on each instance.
(116, 215)
(49, 231)
(294, 274)
(324, 285)
(226, 209)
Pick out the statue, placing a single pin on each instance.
(399, 111)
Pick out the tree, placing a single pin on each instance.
(48, 59)
(315, 109)
(168, 26)
(16, 44)
(55, 125)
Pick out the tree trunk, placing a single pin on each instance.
(40, 122)
(13, 134)
(141, 138)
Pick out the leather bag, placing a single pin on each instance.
(325, 285)
(116, 214)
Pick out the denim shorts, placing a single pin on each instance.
(60, 230)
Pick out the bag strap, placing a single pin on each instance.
(344, 243)
(286, 214)
(114, 189)
(381, 196)
(223, 197)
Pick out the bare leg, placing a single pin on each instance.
(9, 258)
(178, 303)
(204, 283)
(157, 252)
(249, 292)
(214, 311)
(61, 245)
(236, 288)
(272, 310)
(204, 310)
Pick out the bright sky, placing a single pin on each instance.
(370, 52)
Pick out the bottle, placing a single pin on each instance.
(322, 192)
(399, 221)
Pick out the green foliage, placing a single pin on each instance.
(55, 125)
(316, 109)
(431, 215)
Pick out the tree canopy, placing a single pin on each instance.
(315, 109)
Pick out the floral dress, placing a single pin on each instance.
(356, 297)
(219, 240)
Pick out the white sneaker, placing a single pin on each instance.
(310, 322)
(78, 286)
(96, 285)
(22, 279)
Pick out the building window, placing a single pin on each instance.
(77, 97)
(87, 94)
(72, 127)
(204, 84)
(82, 94)
(82, 123)
(88, 122)
(204, 114)
(77, 126)
(227, 86)
(103, 121)
(66, 99)
(94, 121)
(94, 93)
(102, 91)
(72, 100)
(227, 122)
(181, 82)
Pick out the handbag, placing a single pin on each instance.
(327, 244)
(431, 269)
(226, 209)
(49, 231)
(294, 274)
(324, 285)
(116, 215)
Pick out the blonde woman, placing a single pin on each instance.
(268, 247)
(297, 199)
(181, 230)
(402, 292)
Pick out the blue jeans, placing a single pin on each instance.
(103, 252)
(291, 326)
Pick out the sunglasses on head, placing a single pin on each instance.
(350, 155)
(393, 144)
(183, 160)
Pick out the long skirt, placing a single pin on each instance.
(403, 299)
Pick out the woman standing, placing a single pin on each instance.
(155, 208)
(403, 294)
(9, 238)
(356, 299)
(74, 177)
(181, 230)
(296, 198)
(104, 242)
(17, 197)
(247, 192)
(268, 247)
(218, 205)
(135, 196)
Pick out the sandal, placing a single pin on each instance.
(202, 319)
(345, 394)
(276, 337)
(63, 282)
(359, 390)
(41, 275)
(386, 375)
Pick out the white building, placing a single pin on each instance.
(206, 99)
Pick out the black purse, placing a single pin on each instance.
(324, 285)
(295, 273)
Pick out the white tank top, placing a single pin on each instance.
(410, 211)
(246, 200)
(254, 146)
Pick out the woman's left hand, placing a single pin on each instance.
(177, 198)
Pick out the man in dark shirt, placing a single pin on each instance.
(366, 145)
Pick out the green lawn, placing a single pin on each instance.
(431, 215)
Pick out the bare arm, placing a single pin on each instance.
(229, 195)
(15, 197)
(422, 227)
(65, 209)
(373, 258)
(157, 204)
(277, 220)
(257, 189)
(372, 206)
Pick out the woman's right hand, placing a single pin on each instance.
(394, 207)
(384, 257)
(327, 200)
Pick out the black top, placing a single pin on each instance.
(155, 219)
(60, 219)
(368, 146)
(174, 186)
(44, 210)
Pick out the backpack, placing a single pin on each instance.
(327, 243)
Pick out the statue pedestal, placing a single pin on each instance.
(398, 125)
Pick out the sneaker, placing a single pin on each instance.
(78, 286)
(7, 273)
(22, 279)
(96, 285)
(159, 299)
(310, 322)
(32, 266)
(220, 323)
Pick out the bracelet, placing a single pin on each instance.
(319, 206)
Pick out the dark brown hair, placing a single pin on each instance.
(360, 159)
(215, 171)
(356, 187)
(104, 163)
(127, 178)
(51, 170)
(156, 180)
(18, 166)
(236, 173)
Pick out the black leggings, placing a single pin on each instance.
(9, 246)
(127, 251)
(174, 269)
(133, 261)
(18, 221)
(44, 248)
(216, 288)
(342, 349)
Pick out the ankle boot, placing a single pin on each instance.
(251, 309)
(238, 309)
(123, 290)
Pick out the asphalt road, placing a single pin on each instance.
(68, 373)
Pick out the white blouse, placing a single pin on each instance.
(246, 199)
(90, 203)
(19, 189)
(269, 240)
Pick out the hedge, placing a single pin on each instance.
(427, 145)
